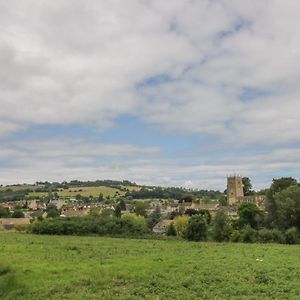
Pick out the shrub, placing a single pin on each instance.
(17, 214)
(270, 236)
(249, 215)
(248, 235)
(171, 231)
(128, 225)
(153, 218)
(196, 229)
(180, 224)
(292, 236)
(235, 236)
(221, 226)
(4, 212)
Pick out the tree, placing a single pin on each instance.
(140, 208)
(223, 201)
(52, 211)
(206, 214)
(247, 186)
(17, 214)
(107, 213)
(186, 198)
(249, 214)
(171, 230)
(292, 236)
(154, 217)
(287, 204)
(196, 229)
(78, 197)
(281, 184)
(100, 197)
(138, 221)
(4, 212)
(122, 204)
(191, 211)
(222, 226)
(118, 211)
(277, 186)
(180, 224)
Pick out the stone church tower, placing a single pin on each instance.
(235, 193)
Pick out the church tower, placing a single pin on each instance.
(235, 191)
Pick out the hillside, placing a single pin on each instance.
(66, 267)
(92, 190)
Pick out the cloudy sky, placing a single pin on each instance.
(173, 92)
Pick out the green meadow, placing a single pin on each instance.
(85, 191)
(90, 191)
(70, 267)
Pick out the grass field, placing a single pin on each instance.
(83, 191)
(90, 191)
(66, 267)
(72, 192)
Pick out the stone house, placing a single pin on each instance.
(162, 226)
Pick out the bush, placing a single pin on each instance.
(129, 225)
(249, 215)
(270, 236)
(221, 226)
(248, 235)
(17, 214)
(235, 236)
(4, 212)
(171, 231)
(196, 229)
(180, 224)
(292, 236)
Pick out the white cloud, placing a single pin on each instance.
(58, 160)
(79, 62)
(84, 62)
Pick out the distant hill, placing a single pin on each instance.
(100, 188)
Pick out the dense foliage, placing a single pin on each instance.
(196, 229)
(173, 193)
(13, 195)
(129, 225)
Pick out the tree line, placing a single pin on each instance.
(172, 193)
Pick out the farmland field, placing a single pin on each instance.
(90, 191)
(83, 191)
(66, 267)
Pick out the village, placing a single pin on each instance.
(34, 210)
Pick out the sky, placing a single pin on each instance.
(169, 93)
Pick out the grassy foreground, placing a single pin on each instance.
(67, 267)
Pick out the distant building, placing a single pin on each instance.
(235, 192)
(211, 207)
(74, 213)
(162, 226)
(59, 203)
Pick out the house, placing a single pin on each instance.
(211, 207)
(162, 226)
(74, 213)
(35, 214)
(59, 203)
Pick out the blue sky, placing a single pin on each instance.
(172, 93)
